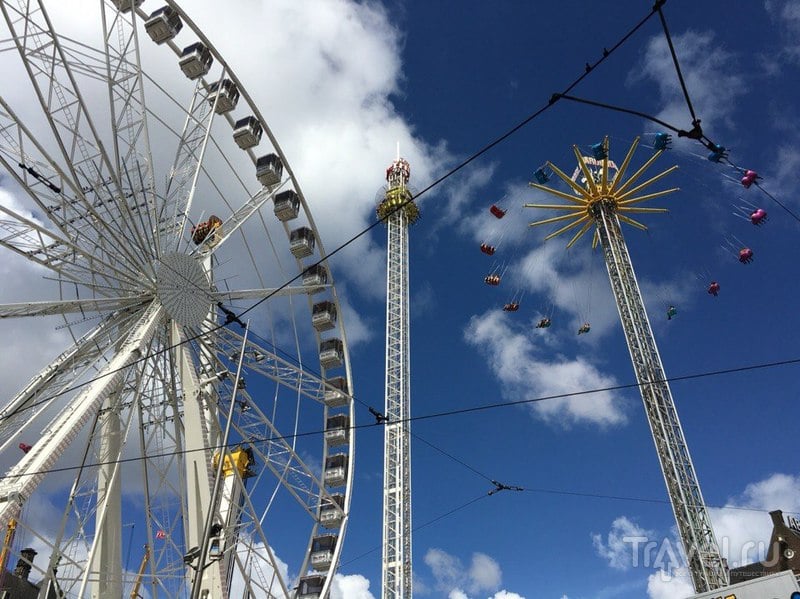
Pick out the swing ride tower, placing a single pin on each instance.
(398, 210)
(602, 199)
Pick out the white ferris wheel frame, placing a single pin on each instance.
(86, 245)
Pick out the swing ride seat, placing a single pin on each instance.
(497, 212)
(717, 153)
(749, 178)
(599, 151)
(758, 216)
(493, 280)
(511, 307)
(745, 255)
(541, 176)
(487, 249)
(585, 328)
(662, 141)
(543, 323)
(713, 289)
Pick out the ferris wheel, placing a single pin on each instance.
(194, 437)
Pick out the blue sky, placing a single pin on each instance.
(342, 82)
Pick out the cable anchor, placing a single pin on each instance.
(501, 487)
(695, 133)
(379, 417)
(230, 316)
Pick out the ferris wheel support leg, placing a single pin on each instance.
(206, 579)
(23, 479)
(106, 554)
(199, 476)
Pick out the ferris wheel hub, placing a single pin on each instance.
(183, 288)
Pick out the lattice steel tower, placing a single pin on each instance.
(398, 211)
(602, 199)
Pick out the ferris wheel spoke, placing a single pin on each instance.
(258, 294)
(74, 131)
(23, 478)
(187, 165)
(274, 450)
(57, 196)
(61, 376)
(60, 255)
(240, 215)
(283, 465)
(236, 220)
(24, 309)
(259, 550)
(129, 118)
(257, 578)
(275, 447)
(267, 363)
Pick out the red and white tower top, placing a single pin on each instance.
(398, 173)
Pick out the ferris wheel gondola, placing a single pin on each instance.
(146, 181)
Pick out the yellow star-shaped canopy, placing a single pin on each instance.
(602, 182)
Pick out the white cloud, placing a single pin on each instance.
(743, 534)
(484, 572)
(742, 529)
(787, 161)
(707, 68)
(575, 281)
(459, 594)
(658, 295)
(357, 329)
(786, 15)
(452, 577)
(350, 586)
(661, 585)
(446, 568)
(460, 192)
(511, 230)
(525, 373)
(620, 542)
(35, 340)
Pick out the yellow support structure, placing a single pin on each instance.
(7, 542)
(140, 574)
(239, 459)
